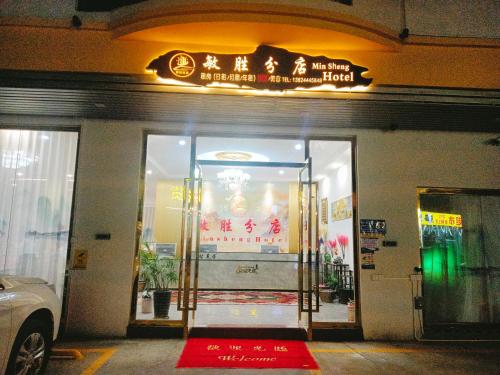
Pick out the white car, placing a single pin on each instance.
(30, 313)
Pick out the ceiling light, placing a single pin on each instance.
(182, 142)
(45, 137)
(69, 175)
(281, 171)
(19, 174)
(149, 171)
(298, 146)
(232, 156)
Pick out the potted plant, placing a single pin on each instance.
(141, 286)
(146, 282)
(327, 293)
(158, 273)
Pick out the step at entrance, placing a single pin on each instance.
(250, 333)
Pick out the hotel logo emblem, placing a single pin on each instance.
(182, 65)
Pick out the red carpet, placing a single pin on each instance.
(246, 297)
(239, 353)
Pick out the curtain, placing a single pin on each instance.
(490, 208)
(36, 183)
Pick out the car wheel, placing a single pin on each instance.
(31, 349)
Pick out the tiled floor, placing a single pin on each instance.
(282, 315)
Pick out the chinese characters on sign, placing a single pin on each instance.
(225, 225)
(371, 232)
(441, 219)
(244, 222)
(266, 68)
(249, 225)
(255, 348)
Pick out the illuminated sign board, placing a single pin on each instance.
(267, 68)
(440, 219)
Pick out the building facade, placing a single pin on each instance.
(390, 175)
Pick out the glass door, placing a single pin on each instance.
(244, 220)
(460, 258)
(307, 302)
(189, 263)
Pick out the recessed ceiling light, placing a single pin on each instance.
(45, 137)
(149, 171)
(19, 174)
(298, 146)
(281, 171)
(182, 142)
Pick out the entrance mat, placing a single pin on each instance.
(241, 353)
(229, 298)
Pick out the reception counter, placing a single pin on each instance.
(248, 271)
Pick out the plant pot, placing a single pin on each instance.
(162, 303)
(147, 305)
(326, 295)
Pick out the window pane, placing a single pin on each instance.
(9, 144)
(167, 172)
(40, 169)
(332, 173)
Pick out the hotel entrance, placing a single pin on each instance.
(246, 234)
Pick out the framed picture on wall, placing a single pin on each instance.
(324, 211)
(342, 208)
(165, 249)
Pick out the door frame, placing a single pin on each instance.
(193, 135)
(192, 226)
(447, 329)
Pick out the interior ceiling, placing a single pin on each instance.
(245, 36)
(125, 97)
(168, 159)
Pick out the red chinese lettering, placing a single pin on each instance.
(249, 225)
(275, 226)
(225, 225)
(204, 226)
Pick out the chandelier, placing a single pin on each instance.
(233, 179)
